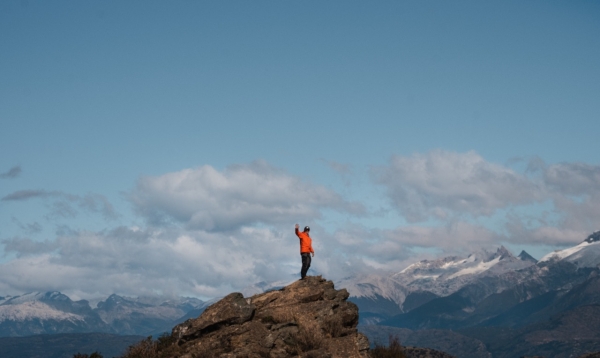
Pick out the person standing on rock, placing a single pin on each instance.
(306, 249)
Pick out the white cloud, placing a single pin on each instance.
(573, 189)
(452, 237)
(132, 261)
(545, 235)
(394, 248)
(207, 199)
(143, 262)
(227, 235)
(234, 227)
(450, 187)
(573, 178)
(443, 184)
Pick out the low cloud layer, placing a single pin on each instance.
(134, 261)
(208, 232)
(547, 204)
(573, 189)
(443, 185)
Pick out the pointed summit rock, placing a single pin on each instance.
(593, 237)
(502, 253)
(524, 256)
(309, 317)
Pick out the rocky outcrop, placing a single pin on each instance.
(308, 318)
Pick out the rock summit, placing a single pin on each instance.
(307, 318)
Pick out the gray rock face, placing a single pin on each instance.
(309, 317)
(593, 237)
(232, 309)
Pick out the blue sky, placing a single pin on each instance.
(397, 130)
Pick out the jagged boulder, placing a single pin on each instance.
(308, 318)
(232, 309)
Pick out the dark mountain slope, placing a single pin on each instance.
(569, 334)
(65, 345)
(489, 297)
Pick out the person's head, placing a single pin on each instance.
(306, 229)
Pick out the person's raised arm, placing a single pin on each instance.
(296, 229)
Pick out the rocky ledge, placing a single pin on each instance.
(308, 318)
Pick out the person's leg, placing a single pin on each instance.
(305, 265)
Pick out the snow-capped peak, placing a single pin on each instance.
(27, 297)
(34, 297)
(482, 266)
(448, 267)
(586, 254)
(34, 309)
(443, 276)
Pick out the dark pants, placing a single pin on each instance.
(305, 264)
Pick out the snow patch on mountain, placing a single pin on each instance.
(426, 277)
(452, 264)
(441, 277)
(474, 270)
(29, 310)
(446, 275)
(562, 254)
(586, 254)
(372, 285)
(37, 296)
(27, 297)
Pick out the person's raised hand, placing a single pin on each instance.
(297, 226)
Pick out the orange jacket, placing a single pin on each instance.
(305, 242)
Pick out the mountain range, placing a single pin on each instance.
(512, 306)
(487, 304)
(54, 312)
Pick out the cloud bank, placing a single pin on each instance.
(443, 185)
(547, 204)
(134, 261)
(208, 232)
(207, 199)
